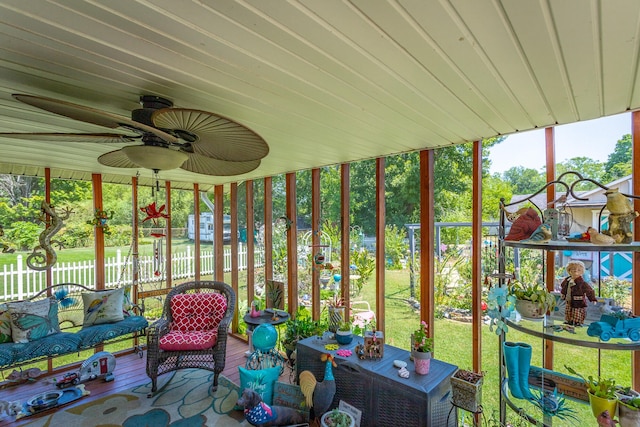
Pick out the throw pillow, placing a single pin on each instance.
(261, 381)
(33, 320)
(103, 306)
(5, 324)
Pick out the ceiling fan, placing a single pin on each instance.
(193, 140)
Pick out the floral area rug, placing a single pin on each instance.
(186, 401)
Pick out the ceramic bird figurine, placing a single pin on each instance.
(617, 203)
(598, 238)
(542, 234)
(319, 395)
(605, 420)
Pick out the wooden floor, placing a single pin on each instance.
(130, 371)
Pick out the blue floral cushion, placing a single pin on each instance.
(93, 335)
(51, 345)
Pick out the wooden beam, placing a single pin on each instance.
(476, 256)
(96, 183)
(135, 230)
(47, 198)
(635, 296)
(345, 228)
(196, 231)
(381, 263)
(427, 237)
(550, 260)
(250, 246)
(233, 200)
(169, 233)
(218, 232)
(292, 246)
(268, 228)
(315, 242)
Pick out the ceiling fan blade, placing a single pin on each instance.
(100, 138)
(116, 159)
(91, 115)
(207, 166)
(216, 136)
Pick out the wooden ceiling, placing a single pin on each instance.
(322, 81)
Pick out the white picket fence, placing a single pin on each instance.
(17, 281)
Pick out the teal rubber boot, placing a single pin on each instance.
(524, 365)
(511, 359)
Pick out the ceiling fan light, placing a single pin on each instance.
(156, 158)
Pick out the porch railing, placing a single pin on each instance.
(18, 282)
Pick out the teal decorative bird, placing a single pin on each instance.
(319, 395)
(96, 304)
(542, 234)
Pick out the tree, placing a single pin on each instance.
(524, 180)
(586, 167)
(619, 162)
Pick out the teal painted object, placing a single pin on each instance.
(511, 354)
(524, 365)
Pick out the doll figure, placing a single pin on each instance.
(575, 291)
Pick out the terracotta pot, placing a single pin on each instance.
(600, 404)
(422, 362)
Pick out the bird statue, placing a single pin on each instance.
(618, 203)
(96, 304)
(542, 234)
(319, 395)
(605, 420)
(598, 238)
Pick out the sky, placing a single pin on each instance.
(594, 138)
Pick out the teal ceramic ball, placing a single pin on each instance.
(265, 337)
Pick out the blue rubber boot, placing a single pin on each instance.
(524, 365)
(511, 356)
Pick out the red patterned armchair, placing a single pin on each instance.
(192, 332)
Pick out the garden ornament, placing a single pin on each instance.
(43, 255)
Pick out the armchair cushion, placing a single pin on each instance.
(190, 340)
(197, 312)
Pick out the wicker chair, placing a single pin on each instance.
(192, 332)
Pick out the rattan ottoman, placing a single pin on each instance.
(374, 387)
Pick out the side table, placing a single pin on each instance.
(265, 317)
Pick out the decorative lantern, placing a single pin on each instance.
(565, 220)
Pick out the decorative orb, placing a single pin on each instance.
(337, 277)
(265, 337)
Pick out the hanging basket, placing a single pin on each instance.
(466, 390)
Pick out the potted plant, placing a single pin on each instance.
(297, 328)
(466, 389)
(344, 334)
(602, 393)
(421, 348)
(532, 300)
(337, 418)
(628, 407)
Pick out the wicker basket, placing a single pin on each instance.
(466, 395)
